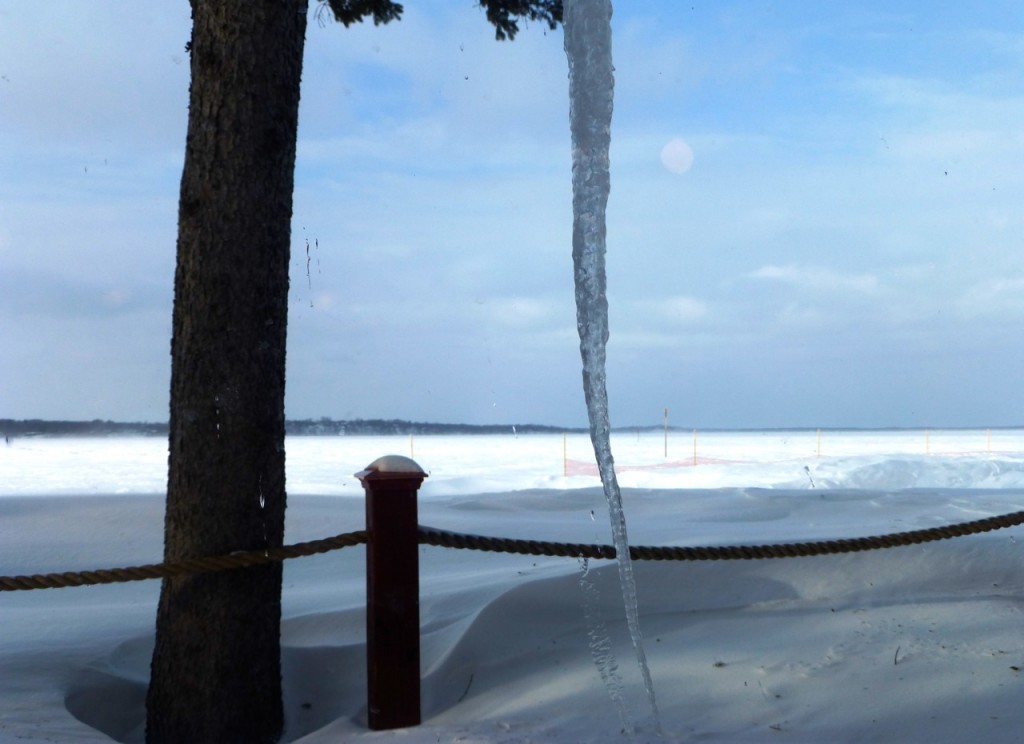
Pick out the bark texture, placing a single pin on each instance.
(216, 672)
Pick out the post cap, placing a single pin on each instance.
(392, 466)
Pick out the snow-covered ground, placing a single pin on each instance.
(916, 644)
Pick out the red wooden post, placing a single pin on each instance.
(392, 591)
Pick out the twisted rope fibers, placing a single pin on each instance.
(443, 538)
(240, 559)
(447, 539)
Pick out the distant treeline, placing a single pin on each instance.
(10, 428)
(399, 426)
(305, 427)
(95, 428)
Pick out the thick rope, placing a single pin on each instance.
(443, 538)
(241, 559)
(446, 539)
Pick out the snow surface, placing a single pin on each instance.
(916, 644)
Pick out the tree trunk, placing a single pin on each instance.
(216, 672)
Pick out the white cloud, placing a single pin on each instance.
(520, 312)
(1001, 298)
(678, 310)
(934, 120)
(106, 73)
(818, 279)
(115, 298)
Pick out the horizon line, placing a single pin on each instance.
(490, 428)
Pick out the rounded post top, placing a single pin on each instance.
(392, 466)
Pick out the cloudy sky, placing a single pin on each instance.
(815, 220)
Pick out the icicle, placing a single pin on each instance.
(587, 27)
(600, 643)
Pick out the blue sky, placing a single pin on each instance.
(844, 248)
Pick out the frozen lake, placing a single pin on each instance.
(468, 464)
